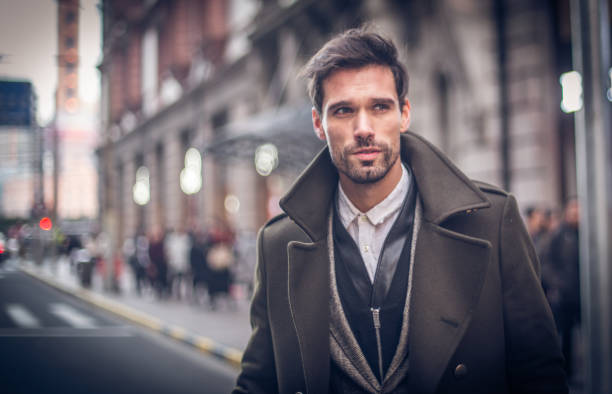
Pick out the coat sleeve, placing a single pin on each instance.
(534, 360)
(258, 374)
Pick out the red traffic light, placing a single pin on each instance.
(45, 224)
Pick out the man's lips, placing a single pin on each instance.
(366, 154)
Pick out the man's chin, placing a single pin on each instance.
(367, 176)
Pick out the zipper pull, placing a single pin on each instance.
(376, 317)
(376, 320)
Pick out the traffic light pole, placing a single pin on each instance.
(39, 189)
(591, 57)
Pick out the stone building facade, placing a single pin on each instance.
(220, 76)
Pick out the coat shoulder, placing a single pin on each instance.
(275, 219)
(490, 189)
(282, 228)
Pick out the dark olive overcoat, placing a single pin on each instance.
(478, 322)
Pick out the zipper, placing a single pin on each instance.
(376, 320)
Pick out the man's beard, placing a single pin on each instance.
(363, 172)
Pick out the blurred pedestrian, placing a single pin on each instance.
(129, 255)
(74, 244)
(197, 261)
(537, 226)
(12, 246)
(562, 279)
(158, 269)
(220, 258)
(177, 245)
(140, 263)
(244, 268)
(536, 222)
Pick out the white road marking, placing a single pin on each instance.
(22, 317)
(72, 316)
(7, 270)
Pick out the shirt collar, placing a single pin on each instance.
(377, 214)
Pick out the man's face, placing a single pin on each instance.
(536, 221)
(572, 213)
(361, 120)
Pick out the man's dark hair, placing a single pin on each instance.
(530, 210)
(355, 48)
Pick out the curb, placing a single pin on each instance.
(206, 345)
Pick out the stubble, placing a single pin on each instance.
(364, 172)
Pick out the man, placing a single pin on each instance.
(391, 272)
(538, 221)
(562, 280)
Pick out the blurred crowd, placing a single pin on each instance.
(200, 266)
(208, 267)
(556, 239)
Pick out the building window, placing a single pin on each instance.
(70, 17)
(69, 67)
(69, 42)
(218, 121)
(69, 92)
(149, 71)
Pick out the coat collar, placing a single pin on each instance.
(444, 190)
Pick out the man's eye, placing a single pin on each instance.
(381, 107)
(343, 111)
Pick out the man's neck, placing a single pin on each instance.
(365, 196)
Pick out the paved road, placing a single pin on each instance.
(53, 343)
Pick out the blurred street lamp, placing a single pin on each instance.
(571, 88)
(141, 190)
(266, 159)
(191, 176)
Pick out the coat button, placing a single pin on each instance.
(461, 371)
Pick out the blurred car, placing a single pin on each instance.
(4, 253)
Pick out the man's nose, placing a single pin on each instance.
(363, 126)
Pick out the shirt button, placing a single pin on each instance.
(363, 218)
(366, 248)
(461, 371)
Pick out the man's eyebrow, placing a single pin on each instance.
(332, 107)
(383, 100)
(378, 100)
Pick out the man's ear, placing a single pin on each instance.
(317, 124)
(405, 115)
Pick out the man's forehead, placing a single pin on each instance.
(344, 84)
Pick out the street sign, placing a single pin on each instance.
(16, 103)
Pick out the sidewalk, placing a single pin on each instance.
(223, 332)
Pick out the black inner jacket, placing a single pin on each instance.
(388, 292)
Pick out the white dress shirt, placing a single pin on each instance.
(369, 230)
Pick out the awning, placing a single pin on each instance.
(288, 128)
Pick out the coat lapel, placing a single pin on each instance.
(449, 272)
(308, 203)
(309, 302)
(449, 267)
